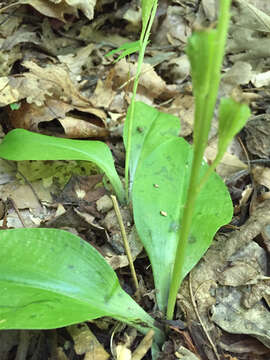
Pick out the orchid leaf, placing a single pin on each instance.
(51, 278)
(20, 144)
(159, 195)
(149, 126)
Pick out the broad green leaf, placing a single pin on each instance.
(21, 145)
(232, 117)
(150, 128)
(51, 278)
(159, 194)
(126, 49)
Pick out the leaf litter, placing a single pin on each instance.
(52, 64)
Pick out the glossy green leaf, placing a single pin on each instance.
(21, 145)
(232, 118)
(150, 127)
(159, 194)
(51, 278)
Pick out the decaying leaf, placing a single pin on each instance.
(229, 280)
(51, 9)
(51, 95)
(58, 9)
(229, 165)
(150, 84)
(86, 343)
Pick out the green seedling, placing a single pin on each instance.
(178, 203)
(15, 106)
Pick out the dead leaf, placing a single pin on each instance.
(224, 261)
(239, 74)
(58, 82)
(262, 176)
(78, 128)
(231, 317)
(22, 35)
(86, 6)
(230, 163)
(252, 17)
(262, 79)
(150, 84)
(211, 9)
(76, 60)
(51, 95)
(86, 343)
(104, 94)
(257, 132)
(122, 352)
(183, 107)
(51, 9)
(173, 29)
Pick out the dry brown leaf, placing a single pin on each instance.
(173, 29)
(262, 79)
(51, 9)
(150, 84)
(229, 165)
(86, 6)
(61, 86)
(262, 176)
(29, 116)
(76, 60)
(51, 94)
(13, 89)
(77, 128)
(86, 343)
(210, 8)
(252, 17)
(239, 74)
(183, 108)
(224, 262)
(22, 35)
(32, 117)
(104, 94)
(122, 352)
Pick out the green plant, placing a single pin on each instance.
(168, 183)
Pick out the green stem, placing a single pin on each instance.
(143, 43)
(203, 117)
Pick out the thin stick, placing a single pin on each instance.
(199, 318)
(17, 211)
(144, 346)
(125, 241)
(31, 187)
